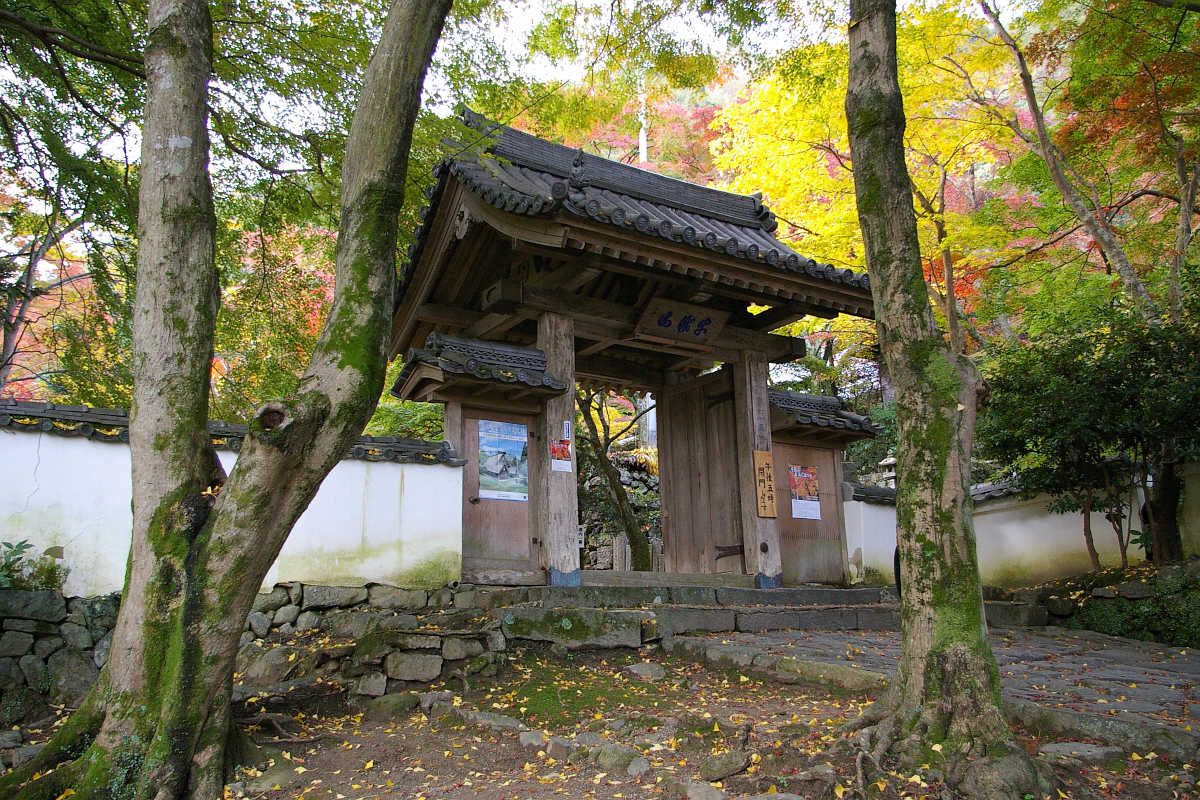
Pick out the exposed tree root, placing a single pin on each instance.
(950, 726)
(275, 721)
(297, 739)
(67, 744)
(52, 784)
(98, 754)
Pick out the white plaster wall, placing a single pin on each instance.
(70, 492)
(870, 537)
(1019, 542)
(369, 522)
(1189, 511)
(378, 522)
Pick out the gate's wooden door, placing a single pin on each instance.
(697, 476)
(496, 521)
(808, 486)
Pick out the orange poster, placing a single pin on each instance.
(806, 494)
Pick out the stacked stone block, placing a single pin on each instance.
(51, 646)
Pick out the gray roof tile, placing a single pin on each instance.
(492, 361)
(821, 411)
(112, 425)
(980, 492)
(522, 174)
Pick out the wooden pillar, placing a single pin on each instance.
(670, 491)
(452, 432)
(760, 535)
(555, 505)
(840, 509)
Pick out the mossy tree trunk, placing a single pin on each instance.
(155, 724)
(943, 708)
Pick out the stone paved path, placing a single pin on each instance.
(1116, 686)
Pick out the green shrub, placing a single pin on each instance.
(12, 555)
(21, 571)
(1171, 616)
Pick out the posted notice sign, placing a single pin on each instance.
(503, 461)
(805, 489)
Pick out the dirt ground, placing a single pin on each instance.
(687, 718)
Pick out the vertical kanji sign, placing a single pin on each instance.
(764, 483)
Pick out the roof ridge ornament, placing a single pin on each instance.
(572, 192)
(474, 120)
(578, 180)
(766, 217)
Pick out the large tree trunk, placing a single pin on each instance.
(944, 705)
(1122, 540)
(639, 544)
(155, 724)
(1115, 503)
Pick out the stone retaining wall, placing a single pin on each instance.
(52, 647)
(1160, 606)
(293, 607)
(394, 652)
(382, 639)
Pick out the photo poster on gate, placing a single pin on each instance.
(806, 495)
(560, 450)
(503, 461)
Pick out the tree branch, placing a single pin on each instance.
(617, 436)
(1174, 198)
(1058, 169)
(1179, 5)
(75, 45)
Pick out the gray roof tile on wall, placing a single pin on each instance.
(494, 361)
(980, 492)
(112, 425)
(819, 410)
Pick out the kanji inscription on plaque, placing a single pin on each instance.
(764, 483)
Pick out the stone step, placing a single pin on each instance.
(608, 577)
(574, 628)
(630, 596)
(784, 669)
(670, 621)
(591, 627)
(1004, 614)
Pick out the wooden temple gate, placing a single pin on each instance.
(536, 267)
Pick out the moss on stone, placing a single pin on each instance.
(574, 627)
(432, 571)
